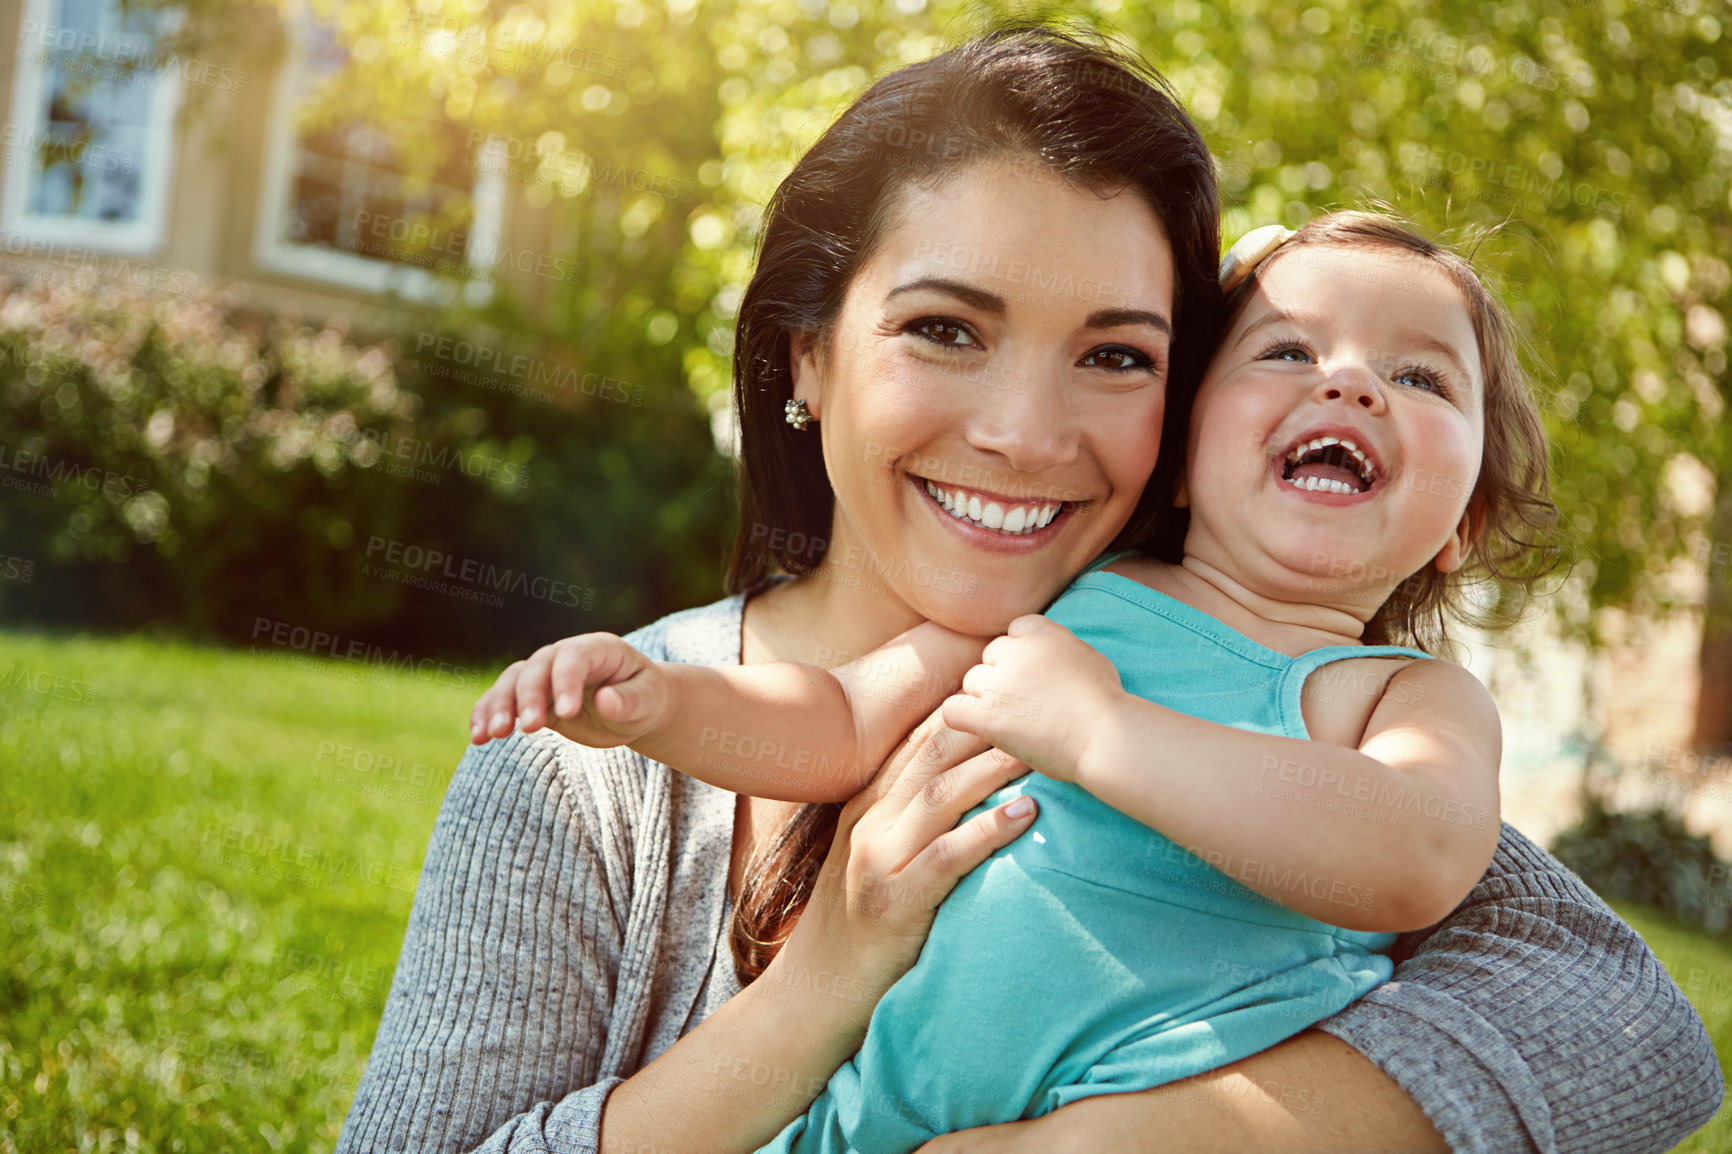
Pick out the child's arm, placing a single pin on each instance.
(1387, 837)
(776, 730)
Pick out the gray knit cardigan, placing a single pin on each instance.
(570, 925)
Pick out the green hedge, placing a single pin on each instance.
(189, 464)
(1650, 858)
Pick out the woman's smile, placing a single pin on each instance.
(1032, 519)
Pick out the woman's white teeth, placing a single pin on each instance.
(1018, 519)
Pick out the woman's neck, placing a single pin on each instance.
(821, 620)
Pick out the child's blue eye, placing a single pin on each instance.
(1287, 351)
(1422, 379)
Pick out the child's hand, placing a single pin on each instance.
(1037, 695)
(604, 693)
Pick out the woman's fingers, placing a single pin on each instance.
(949, 795)
(898, 852)
(939, 748)
(936, 869)
(930, 748)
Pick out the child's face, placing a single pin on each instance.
(1373, 348)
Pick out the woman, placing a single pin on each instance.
(571, 974)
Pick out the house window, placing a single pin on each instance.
(341, 203)
(89, 145)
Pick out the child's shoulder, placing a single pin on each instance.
(1340, 698)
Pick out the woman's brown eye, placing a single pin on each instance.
(1118, 359)
(944, 332)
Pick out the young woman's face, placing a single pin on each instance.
(990, 398)
(1337, 435)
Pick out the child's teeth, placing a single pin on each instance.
(1321, 484)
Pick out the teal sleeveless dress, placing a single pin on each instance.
(1093, 955)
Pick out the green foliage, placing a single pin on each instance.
(1582, 152)
(1591, 140)
(183, 463)
(1651, 859)
(1597, 135)
(206, 864)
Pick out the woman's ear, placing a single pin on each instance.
(805, 360)
(1459, 547)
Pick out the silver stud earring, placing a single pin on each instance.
(797, 414)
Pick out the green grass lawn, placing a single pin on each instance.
(206, 864)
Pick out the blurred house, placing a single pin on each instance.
(126, 159)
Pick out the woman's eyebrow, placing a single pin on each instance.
(989, 302)
(981, 299)
(1112, 318)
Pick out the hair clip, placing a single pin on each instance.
(1248, 252)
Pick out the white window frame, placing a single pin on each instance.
(142, 237)
(272, 253)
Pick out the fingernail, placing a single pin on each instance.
(563, 705)
(499, 719)
(1021, 807)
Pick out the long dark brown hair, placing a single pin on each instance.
(1084, 108)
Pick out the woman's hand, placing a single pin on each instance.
(897, 854)
(603, 692)
(1039, 692)
(894, 858)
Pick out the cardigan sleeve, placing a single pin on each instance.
(503, 992)
(535, 960)
(1535, 1019)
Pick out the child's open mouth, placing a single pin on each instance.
(1329, 465)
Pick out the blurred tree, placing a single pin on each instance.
(1597, 133)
